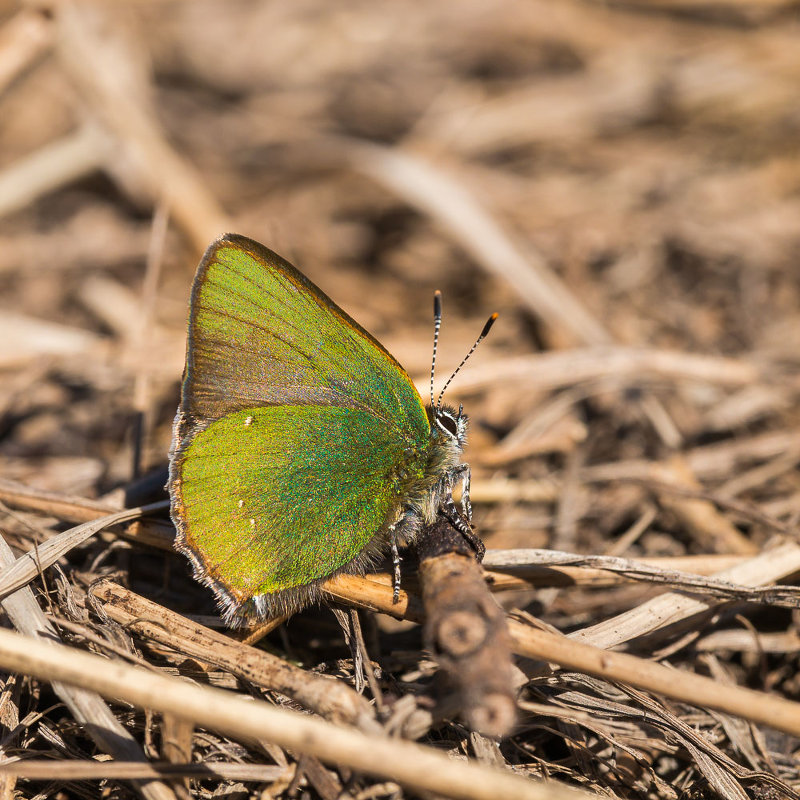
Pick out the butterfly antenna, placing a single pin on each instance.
(486, 328)
(437, 323)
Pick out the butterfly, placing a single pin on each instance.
(301, 448)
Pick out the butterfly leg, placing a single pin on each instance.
(395, 563)
(463, 527)
(463, 473)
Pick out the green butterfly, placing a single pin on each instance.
(301, 448)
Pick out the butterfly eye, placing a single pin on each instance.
(448, 424)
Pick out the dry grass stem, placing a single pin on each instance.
(417, 767)
(777, 713)
(39, 769)
(671, 608)
(111, 77)
(86, 706)
(428, 188)
(31, 564)
(788, 596)
(152, 622)
(555, 370)
(24, 39)
(620, 183)
(75, 156)
(574, 654)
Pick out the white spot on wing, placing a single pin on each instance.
(248, 421)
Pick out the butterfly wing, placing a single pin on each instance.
(275, 499)
(295, 434)
(261, 333)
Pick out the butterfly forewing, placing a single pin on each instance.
(260, 333)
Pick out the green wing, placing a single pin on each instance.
(295, 433)
(260, 333)
(275, 499)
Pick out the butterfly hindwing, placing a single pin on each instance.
(271, 502)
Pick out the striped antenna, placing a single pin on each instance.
(437, 323)
(486, 328)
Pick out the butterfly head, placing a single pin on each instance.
(451, 425)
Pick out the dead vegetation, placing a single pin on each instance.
(619, 181)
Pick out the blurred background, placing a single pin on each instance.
(618, 180)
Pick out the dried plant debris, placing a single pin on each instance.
(620, 182)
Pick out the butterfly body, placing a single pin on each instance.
(301, 448)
